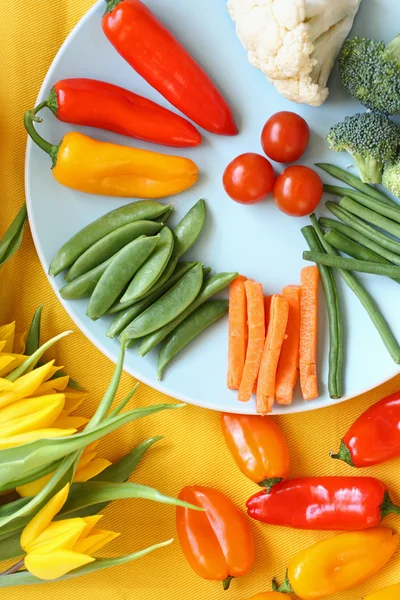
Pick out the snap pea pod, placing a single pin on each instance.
(83, 286)
(212, 286)
(136, 211)
(363, 227)
(370, 216)
(354, 181)
(125, 317)
(353, 194)
(351, 264)
(202, 318)
(152, 269)
(165, 216)
(109, 245)
(189, 228)
(169, 306)
(119, 273)
(361, 239)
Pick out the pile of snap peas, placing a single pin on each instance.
(128, 264)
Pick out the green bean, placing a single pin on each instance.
(357, 196)
(334, 317)
(361, 239)
(355, 182)
(12, 238)
(33, 339)
(118, 274)
(363, 227)
(212, 286)
(366, 300)
(202, 318)
(370, 216)
(189, 229)
(92, 233)
(84, 286)
(152, 269)
(351, 264)
(109, 245)
(126, 316)
(391, 212)
(168, 307)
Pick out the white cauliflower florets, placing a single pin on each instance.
(294, 42)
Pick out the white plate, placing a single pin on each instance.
(257, 241)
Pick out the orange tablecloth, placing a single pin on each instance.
(193, 451)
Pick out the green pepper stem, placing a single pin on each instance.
(285, 588)
(343, 454)
(269, 483)
(111, 4)
(227, 582)
(29, 119)
(388, 508)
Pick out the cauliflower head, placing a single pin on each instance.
(294, 42)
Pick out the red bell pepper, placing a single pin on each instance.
(374, 437)
(325, 503)
(143, 41)
(93, 103)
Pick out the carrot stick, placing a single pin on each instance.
(267, 304)
(309, 332)
(256, 329)
(272, 350)
(237, 332)
(288, 367)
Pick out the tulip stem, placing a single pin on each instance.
(14, 569)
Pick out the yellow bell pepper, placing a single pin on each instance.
(94, 167)
(389, 593)
(54, 548)
(339, 563)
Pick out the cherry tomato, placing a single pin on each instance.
(297, 191)
(285, 137)
(249, 178)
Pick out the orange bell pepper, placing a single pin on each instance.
(389, 593)
(217, 542)
(258, 448)
(94, 167)
(338, 563)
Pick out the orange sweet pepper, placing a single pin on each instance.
(94, 167)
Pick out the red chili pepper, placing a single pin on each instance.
(374, 437)
(99, 104)
(147, 45)
(326, 503)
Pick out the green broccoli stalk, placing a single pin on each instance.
(371, 139)
(391, 177)
(370, 72)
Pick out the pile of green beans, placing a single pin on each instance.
(366, 217)
(128, 264)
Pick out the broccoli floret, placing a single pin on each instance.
(370, 71)
(371, 139)
(391, 177)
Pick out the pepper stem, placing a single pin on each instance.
(29, 119)
(392, 51)
(227, 582)
(111, 4)
(343, 454)
(268, 484)
(285, 588)
(388, 508)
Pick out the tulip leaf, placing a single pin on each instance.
(25, 578)
(24, 478)
(11, 240)
(33, 339)
(11, 547)
(123, 403)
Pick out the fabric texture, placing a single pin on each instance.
(193, 450)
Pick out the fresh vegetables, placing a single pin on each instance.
(297, 191)
(328, 503)
(143, 41)
(374, 437)
(351, 264)
(285, 137)
(338, 563)
(249, 178)
(288, 367)
(256, 338)
(294, 45)
(238, 333)
(308, 332)
(391, 176)
(217, 543)
(82, 163)
(371, 139)
(258, 448)
(102, 105)
(370, 72)
(389, 593)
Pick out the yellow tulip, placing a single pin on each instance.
(7, 334)
(32, 436)
(53, 549)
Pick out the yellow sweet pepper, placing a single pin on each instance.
(389, 593)
(54, 548)
(339, 563)
(94, 167)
